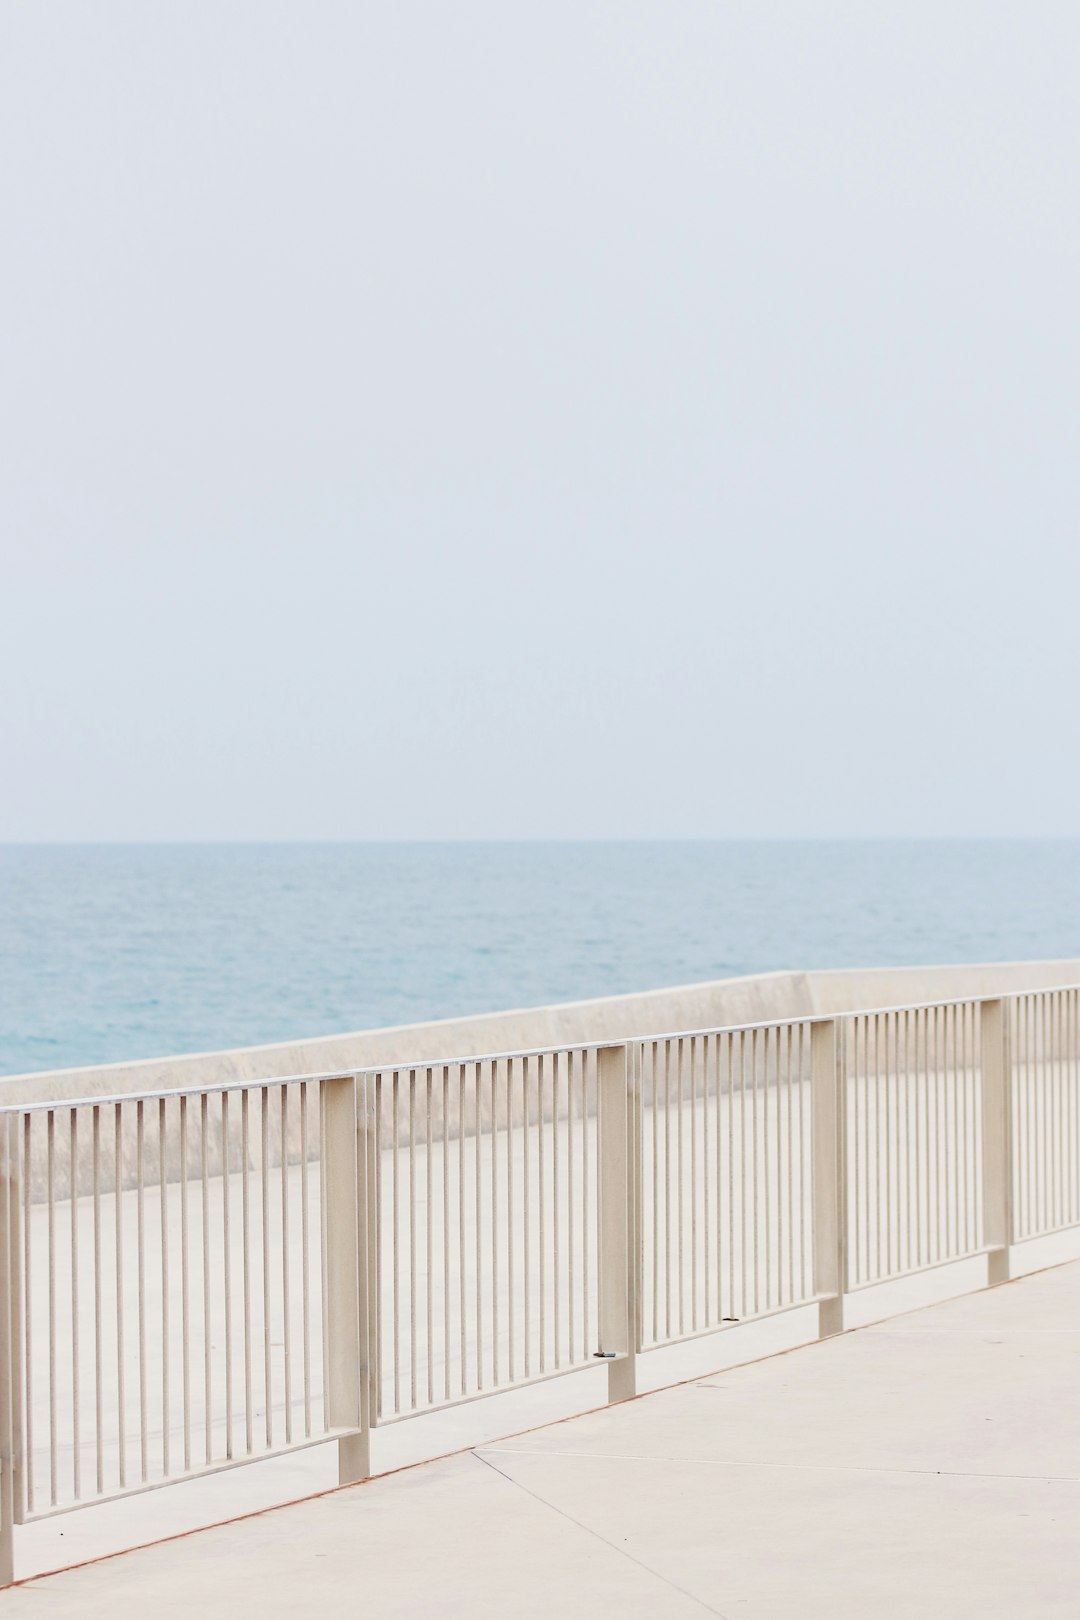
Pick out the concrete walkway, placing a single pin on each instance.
(926, 1467)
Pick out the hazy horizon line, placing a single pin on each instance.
(660, 838)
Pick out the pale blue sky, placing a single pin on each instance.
(563, 419)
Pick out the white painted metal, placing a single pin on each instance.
(342, 1152)
(617, 1307)
(997, 1156)
(193, 1279)
(827, 1222)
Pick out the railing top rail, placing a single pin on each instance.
(710, 1029)
(163, 1093)
(399, 1066)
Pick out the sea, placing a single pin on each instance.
(111, 952)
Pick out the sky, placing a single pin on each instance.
(575, 419)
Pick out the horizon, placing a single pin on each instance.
(596, 839)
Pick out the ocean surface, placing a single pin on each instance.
(110, 952)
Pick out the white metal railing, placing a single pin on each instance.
(195, 1279)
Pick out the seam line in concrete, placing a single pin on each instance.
(569, 1517)
(747, 1462)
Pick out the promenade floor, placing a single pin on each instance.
(928, 1466)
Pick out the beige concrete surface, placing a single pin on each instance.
(928, 1466)
(752, 998)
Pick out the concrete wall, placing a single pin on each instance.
(697, 1006)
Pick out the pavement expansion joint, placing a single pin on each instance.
(604, 1541)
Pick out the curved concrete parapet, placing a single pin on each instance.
(752, 999)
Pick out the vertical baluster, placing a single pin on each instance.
(118, 1220)
(1032, 1079)
(305, 1253)
(526, 1269)
(940, 1124)
(967, 1123)
(1045, 1124)
(207, 1326)
(50, 1182)
(264, 1206)
(28, 1315)
(862, 1185)
(680, 1191)
(163, 1212)
(185, 1321)
(1059, 1109)
(790, 1041)
(955, 1182)
(511, 1360)
(245, 1234)
(73, 1211)
(756, 1182)
(412, 1237)
(908, 1170)
(99, 1372)
(781, 1203)
(446, 1226)
(395, 1161)
(1068, 1080)
(493, 1118)
(933, 1137)
(762, 1188)
(428, 1241)
(556, 1246)
(378, 1215)
(709, 1181)
(542, 1207)
(802, 1230)
(921, 1137)
(655, 1089)
(286, 1301)
(571, 1291)
(888, 1142)
(880, 1220)
(461, 1223)
(140, 1217)
(226, 1233)
(693, 1185)
(587, 1061)
(742, 1158)
(478, 1235)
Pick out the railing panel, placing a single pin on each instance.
(725, 1178)
(1045, 1042)
(487, 1251)
(195, 1279)
(913, 1140)
(173, 1288)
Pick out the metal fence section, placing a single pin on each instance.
(196, 1279)
(486, 1248)
(725, 1175)
(1045, 1113)
(913, 1140)
(168, 1253)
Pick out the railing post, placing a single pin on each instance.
(346, 1407)
(10, 1361)
(367, 1143)
(996, 1138)
(829, 1203)
(616, 1150)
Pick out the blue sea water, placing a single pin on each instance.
(110, 952)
